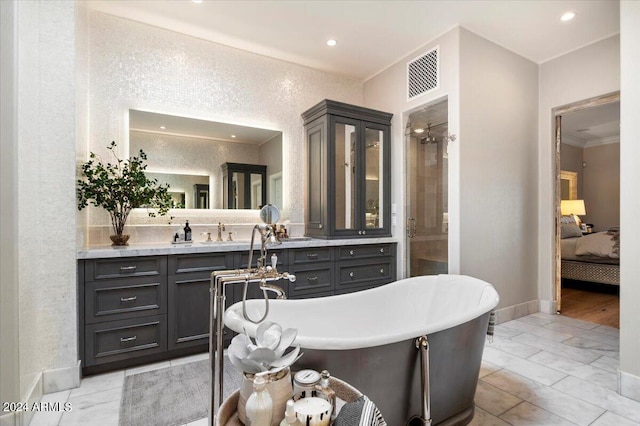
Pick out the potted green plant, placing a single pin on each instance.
(120, 186)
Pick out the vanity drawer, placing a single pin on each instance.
(125, 267)
(116, 299)
(311, 279)
(120, 340)
(310, 255)
(363, 273)
(185, 263)
(365, 250)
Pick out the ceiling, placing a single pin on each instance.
(592, 126)
(372, 35)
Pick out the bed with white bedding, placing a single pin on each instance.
(592, 257)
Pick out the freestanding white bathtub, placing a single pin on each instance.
(368, 339)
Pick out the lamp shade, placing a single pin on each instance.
(571, 207)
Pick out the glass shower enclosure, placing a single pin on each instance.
(427, 143)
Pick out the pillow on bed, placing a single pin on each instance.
(567, 219)
(570, 230)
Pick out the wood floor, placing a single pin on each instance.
(592, 303)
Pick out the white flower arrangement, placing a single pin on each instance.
(267, 353)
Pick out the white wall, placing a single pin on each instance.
(498, 171)
(489, 206)
(567, 79)
(133, 65)
(41, 246)
(387, 91)
(9, 353)
(629, 200)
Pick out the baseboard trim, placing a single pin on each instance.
(548, 307)
(61, 379)
(9, 419)
(34, 394)
(516, 311)
(629, 385)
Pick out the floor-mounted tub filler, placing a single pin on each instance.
(414, 347)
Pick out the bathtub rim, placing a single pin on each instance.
(489, 299)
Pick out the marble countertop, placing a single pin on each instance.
(107, 251)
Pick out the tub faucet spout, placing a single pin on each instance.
(280, 294)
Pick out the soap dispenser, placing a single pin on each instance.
(187, 232)
(259, 406)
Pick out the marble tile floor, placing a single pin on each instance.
(539, 370)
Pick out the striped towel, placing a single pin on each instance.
(361, 412)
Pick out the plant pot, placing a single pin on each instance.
(119, 240)
(279, 387)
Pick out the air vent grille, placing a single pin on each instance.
(423, 73)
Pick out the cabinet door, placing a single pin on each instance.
(375, 179)
(345, 186)
(189, 297)
(316, 200)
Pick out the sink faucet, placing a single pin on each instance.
(220, 229)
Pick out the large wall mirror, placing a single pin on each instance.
(189, 155)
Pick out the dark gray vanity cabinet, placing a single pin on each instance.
(364, 266)
(313, 268)
(188, 293)
(348, 171)
(123, 309)
(135, 310)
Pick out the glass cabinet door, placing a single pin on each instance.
(373, 175)
(346, 177)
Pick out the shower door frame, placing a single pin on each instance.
(408, 185)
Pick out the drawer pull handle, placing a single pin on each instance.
(128, 299)
(128, 339)
(128, 268)
(351, 274)
(364, 232)
(381, 271)
(382, 250)
(312, 255)
(351, 252)
(320, 226)
(312, 279)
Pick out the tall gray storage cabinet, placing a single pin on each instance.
(348, 171)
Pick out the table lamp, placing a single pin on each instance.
(573, 208)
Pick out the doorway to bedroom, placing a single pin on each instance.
(588, 210)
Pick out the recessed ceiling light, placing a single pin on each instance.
(162, 127)
(331, 42)
(197, 1)
(568, 16)
(233, 136)
(419, 130)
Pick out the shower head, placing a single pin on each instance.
(428, 139)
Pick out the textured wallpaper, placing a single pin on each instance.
(46, 180)
(133, 65)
